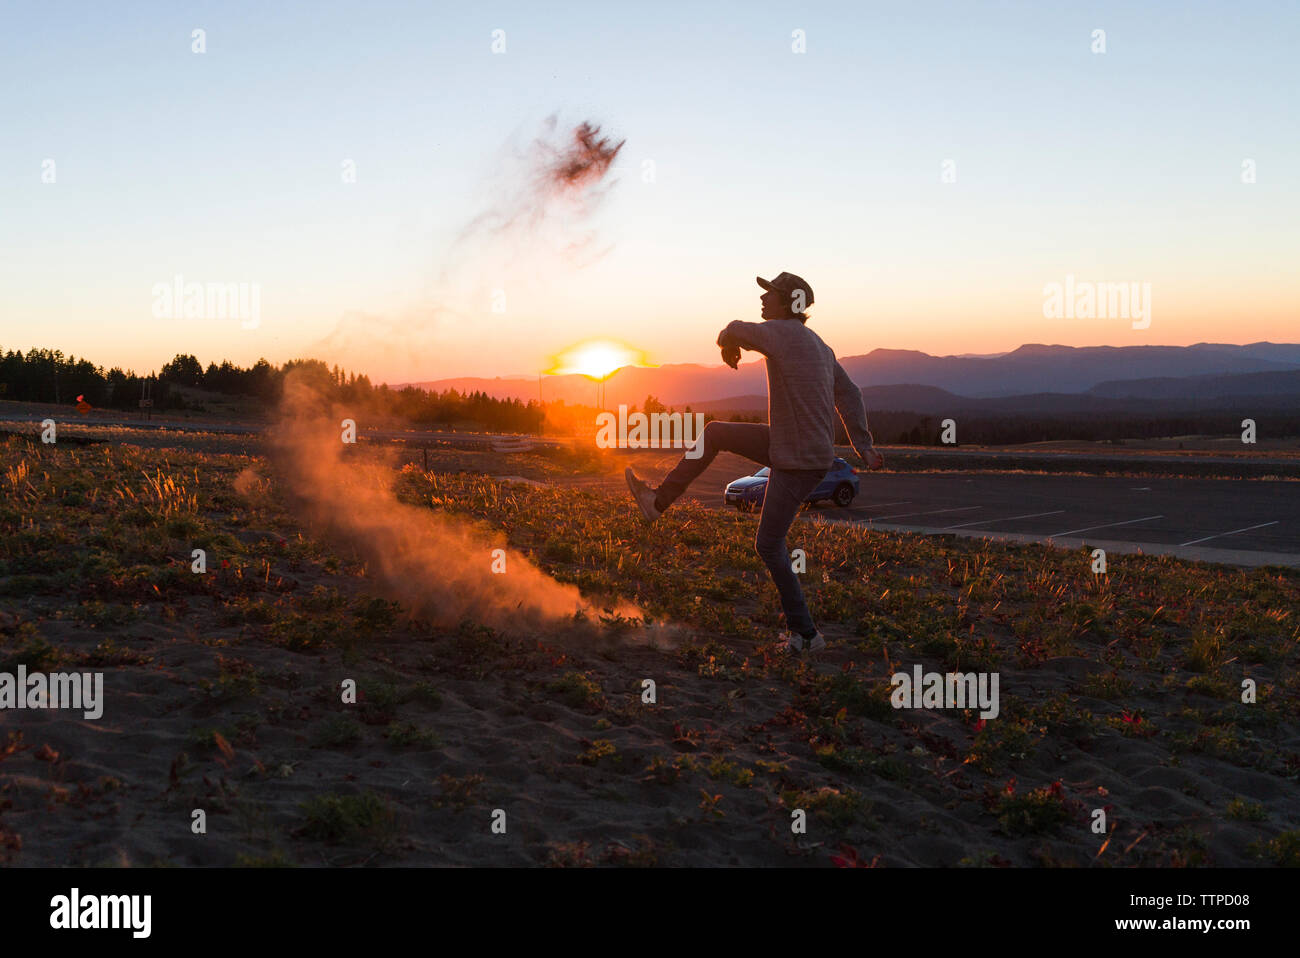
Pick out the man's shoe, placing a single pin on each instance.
(643, 494)
(797, 643)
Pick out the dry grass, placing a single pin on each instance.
(1145, 662)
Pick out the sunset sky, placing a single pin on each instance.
(225, 166)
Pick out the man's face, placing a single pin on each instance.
(775, 304)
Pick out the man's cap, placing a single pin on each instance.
(787, 283)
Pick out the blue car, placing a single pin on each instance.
(840, 486)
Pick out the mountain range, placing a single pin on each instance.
(1082, 378)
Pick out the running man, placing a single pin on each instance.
(804, 384)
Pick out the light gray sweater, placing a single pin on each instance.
(805, 383)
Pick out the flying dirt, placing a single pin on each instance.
(438, 566)
(535, 224)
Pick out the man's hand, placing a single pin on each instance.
(873, 459)
(731, 356)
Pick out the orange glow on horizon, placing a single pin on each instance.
(596, 359)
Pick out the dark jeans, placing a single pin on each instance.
(786, 491)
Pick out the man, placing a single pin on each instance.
(804, 384)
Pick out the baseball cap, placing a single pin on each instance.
(787, 283)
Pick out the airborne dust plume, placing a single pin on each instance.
(533, 228)
(437, 565)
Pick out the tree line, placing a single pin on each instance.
(48, 376)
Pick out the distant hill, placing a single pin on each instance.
(1028, 370)
(926, 399)
(1276, 352)
(1064, 369)
(1209, 387)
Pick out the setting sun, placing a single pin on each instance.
(596, 359)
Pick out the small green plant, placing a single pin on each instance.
(337, 731)
(838, 807)
(711, 805)
(108, 652)
(456, 792)
(338, 818)
(300, 634)
(661, 772)
(1244, 811)
(408, 734)
(236, 679)
(36, 654)
(725, 771)
(1221, 741)
(1213, 686)
(1107, 685)
(999, 742)
(868, 699)
(579, 691)
(595, 751)
(1283, 849)
(97, 614)
(1042, 810)
(1205, 653)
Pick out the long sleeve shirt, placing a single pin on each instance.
(806, 385)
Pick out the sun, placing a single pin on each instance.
(595, 359)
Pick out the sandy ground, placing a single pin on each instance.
(212, 706)
(117, 792)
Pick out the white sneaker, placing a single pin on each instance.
(643, 494)
(797, 643)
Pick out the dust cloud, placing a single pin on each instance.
(438, 566)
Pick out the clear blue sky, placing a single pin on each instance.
(225, 167)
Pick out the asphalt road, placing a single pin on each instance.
(1244, 521)
(1084, 460)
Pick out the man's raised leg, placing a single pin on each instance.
(748, 439)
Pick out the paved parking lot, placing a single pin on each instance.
(1251, 522)
(1241, 521)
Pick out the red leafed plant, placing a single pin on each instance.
(849, 858)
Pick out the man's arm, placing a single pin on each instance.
(853, 413)
(740, 334)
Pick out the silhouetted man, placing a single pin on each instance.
(806, 385)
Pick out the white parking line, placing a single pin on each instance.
(981, 522)
(881, 505)
(934, 512)
(1220, 535)
(1105, 525)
